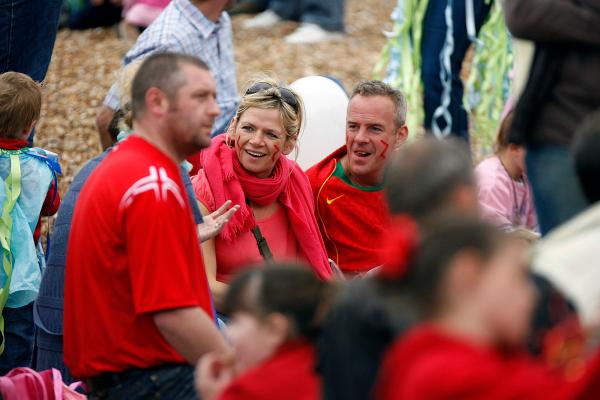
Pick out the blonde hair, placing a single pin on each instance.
(271, 98)
(128, 72)
(20, 103)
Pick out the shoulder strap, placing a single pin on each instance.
(261, 241)
(263, 246)
(12, 186)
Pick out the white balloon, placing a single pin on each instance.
(325, 103)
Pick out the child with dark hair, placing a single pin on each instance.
(475, 295)
(275, 317)
(505, 195)
(28, 191)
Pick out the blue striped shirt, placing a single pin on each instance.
(182, 28)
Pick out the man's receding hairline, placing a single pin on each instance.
(392, 103)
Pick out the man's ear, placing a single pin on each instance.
(401, 135)
(157, 102)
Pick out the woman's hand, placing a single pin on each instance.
(214, 372)
(214, 222)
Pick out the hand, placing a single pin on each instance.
(214, 372)
(214, 222)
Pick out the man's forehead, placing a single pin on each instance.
(373, 107)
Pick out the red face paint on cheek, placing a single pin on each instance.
(276, 152)
(385, 149)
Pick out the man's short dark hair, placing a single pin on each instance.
(586, 150)
(423, 174)
(371, 88)
(161, 71)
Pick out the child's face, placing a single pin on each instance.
(506, 295)
(253, 339)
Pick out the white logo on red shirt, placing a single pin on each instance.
(158, 182)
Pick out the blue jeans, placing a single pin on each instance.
(27, 34)
(328, 14)
(173, 382)
(556, 190)
(434, 37)
(18, 333)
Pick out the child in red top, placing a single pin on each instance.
(474, 289)
(275, 314)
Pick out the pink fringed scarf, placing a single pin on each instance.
(287, 184)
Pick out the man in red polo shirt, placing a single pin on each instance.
(138, 312)
(350, 205)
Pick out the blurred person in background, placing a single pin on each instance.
(471, 285)
(563, 87)
(88, 14)
(276, 312)
(198, 28)
(320, 20)
(23, 49)
(567, 257)
(505, 194)
(425, 179)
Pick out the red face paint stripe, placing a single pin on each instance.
(384, 152)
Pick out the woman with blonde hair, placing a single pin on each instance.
(248, 165)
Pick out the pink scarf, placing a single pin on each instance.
(287, 184)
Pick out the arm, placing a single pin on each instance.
(51, 202)
(554, 21)
(191, 332)
(495, 200)
(105, 115)
(218, 289)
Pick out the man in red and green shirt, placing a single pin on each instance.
(350, 204)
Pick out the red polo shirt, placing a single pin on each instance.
(352, 219)
(133, 250)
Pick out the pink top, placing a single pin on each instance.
(504, 201)
(234, 257)
(143, 12)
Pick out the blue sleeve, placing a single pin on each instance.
(191, 196)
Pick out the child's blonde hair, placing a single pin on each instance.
(125, 123)
(20, 104)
